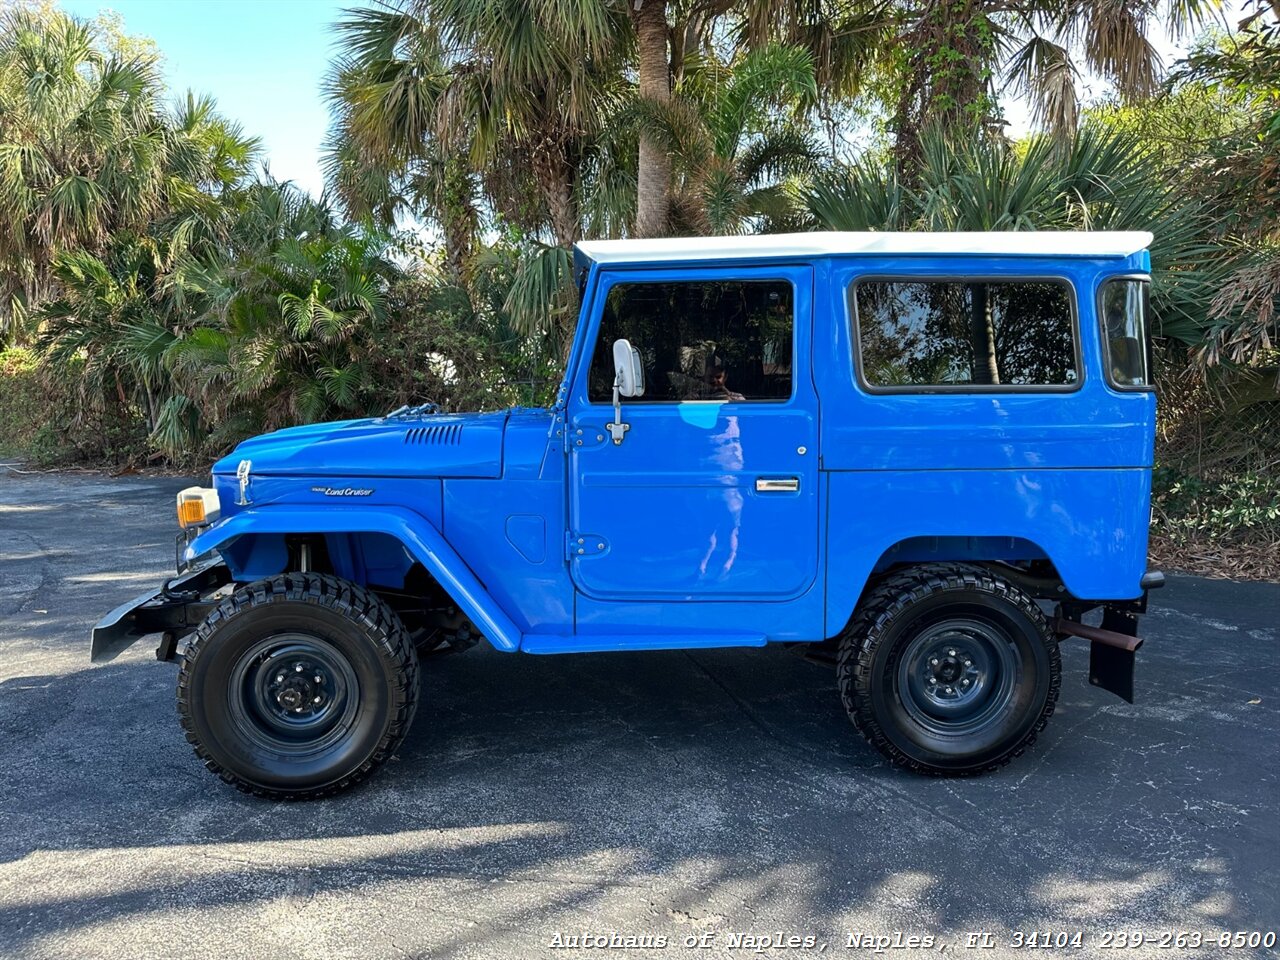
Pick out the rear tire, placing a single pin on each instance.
(949, 669)
(298, 686)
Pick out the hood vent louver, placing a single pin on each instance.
(438, 434)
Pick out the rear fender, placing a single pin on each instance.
(420, 538)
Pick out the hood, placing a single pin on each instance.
(437, 445)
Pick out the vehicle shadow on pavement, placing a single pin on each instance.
(663, 792)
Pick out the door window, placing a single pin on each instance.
(711, 340)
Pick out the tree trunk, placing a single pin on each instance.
(986, 368)
(460, 219)
(565, 222)
(653, 181)
(906, 130)
(554, 172)
(949, 48)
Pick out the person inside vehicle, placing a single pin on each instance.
(718, 385)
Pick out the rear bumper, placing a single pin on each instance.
(176, 608)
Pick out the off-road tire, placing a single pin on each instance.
(347, 623)
(895, 614)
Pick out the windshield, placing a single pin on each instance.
(1124, 327)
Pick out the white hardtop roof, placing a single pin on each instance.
(781, 246)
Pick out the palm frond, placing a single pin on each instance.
(1117, 47)
(1042, 71)
(771, 76)
(777, 154)
(541, 290)
(177, 428)
(866, 194)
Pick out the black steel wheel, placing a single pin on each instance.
(949, 669)
(298, 686)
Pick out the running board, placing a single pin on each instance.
(599, 643)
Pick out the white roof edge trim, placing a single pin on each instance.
(1029, 243)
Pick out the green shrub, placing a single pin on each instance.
(1243, 508)
(44, 419)
(21, 401)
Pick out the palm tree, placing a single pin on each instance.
(1241, 179)
(653, 166)
(509, 86)
(106, 327)
(272, 323)
(845, 40)
(79, 145)
(287, 323)
(475, 111)
(1097, 180)
(955, 56)
(732, 130)
(88, 151)
(390, 153)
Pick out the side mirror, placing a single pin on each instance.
(628, 381)
(628, 370)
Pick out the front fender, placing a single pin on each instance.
(419, 537)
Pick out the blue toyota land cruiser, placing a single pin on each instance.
(919, 458)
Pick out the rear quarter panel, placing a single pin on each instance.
(1068, 471)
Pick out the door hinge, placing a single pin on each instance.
(584, 545)
(585, 436)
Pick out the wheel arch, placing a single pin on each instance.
(979, 550)
(252, 543)
(918, 549)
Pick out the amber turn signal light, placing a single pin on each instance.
(197, 505)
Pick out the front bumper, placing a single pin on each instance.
(175, 609)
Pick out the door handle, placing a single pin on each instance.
(777, 484)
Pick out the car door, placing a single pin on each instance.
(712, 492)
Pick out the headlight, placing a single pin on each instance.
(197, 505)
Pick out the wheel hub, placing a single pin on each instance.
(290, 699)
(956, 675)
(295, 689)
(298, 685)
(948, 671)
(954, 668)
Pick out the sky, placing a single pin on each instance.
(264, 61)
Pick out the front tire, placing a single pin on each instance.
(298, 686)
(949, 669)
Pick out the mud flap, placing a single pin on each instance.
(1111, 667)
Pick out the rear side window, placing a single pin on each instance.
(1124, 328)
(966, 334)
(715, 340)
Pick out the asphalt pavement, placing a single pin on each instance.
(681, 797)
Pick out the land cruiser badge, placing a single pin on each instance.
(343, 491)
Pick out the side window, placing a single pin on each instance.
(1124, 328)
(717, 340)
(974, 334)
